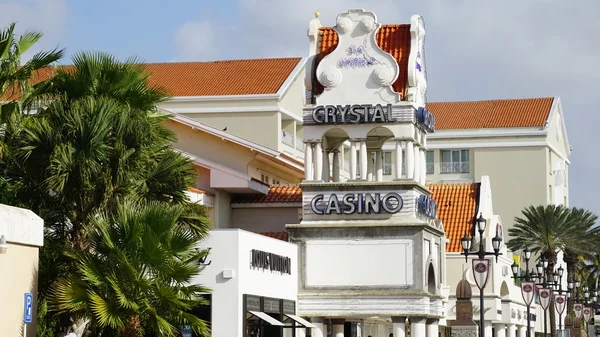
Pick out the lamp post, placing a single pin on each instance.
(526, 277)
(559, 300)
(481, 265)
(544, 291)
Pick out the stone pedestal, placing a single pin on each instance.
(465, 331)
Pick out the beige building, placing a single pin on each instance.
(22, 234)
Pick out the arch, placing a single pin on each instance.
(504, 291)
(335, 137)
(377, 136)
(431, 279)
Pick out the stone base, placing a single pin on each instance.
(464, 331)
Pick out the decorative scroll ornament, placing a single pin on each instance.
(560, 303)
(368, 24)
(527, 291)
(330, 77)
(578, 308)
(587, 314)
(355, 56)
(481, 272)
(383, 76)
(343, 25)
(545, 297)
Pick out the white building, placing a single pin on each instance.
(254, 283)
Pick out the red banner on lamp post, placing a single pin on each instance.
(527, 291)
(481, 271)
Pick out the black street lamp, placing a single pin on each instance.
(526, 277)
(545, 283)
(483, 268)
(560, 300)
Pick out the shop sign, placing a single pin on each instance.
(427, 206)
(353, 114)
(359, 203)
(425, 119)
(270, 261)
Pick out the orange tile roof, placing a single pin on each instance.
(217, 78)
(393, 39)
(283, 236)
(199, 191)
(277, 194)
(457, 206)
(505, 113)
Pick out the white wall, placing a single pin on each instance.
(231, 251)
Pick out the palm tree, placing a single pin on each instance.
(101, 138)
(584, 220)
(546, 230)
(16, 79)
(137, 277)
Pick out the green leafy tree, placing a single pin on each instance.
(16, 85)
(546, 230)
(137, 278)
(98, 137)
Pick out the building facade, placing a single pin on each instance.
(22, 235)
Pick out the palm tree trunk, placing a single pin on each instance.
(570, 258)
(133, 329)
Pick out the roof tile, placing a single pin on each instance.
(525, 112)
(277, 194)
(457, 207)
(283, 236)
(217, 78)
(393, 39)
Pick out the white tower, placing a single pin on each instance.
(368, 247)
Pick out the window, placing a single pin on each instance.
(264, 178)
(429, 162)
(387, 163)
(455, 161)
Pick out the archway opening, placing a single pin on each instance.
(431, 282)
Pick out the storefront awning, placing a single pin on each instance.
(300, 320)
(266, 318)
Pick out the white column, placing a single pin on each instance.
(410, 160)
(511, 331)
(432, 328)
(320, 329)
(500, 330)
(417, 163)
(417, 326)
(336, 165)
(326, 168)
(487, 331)
(308, 161)
(338, 327)
(398, 167)
(352, 160)
(363, 159)
(398, 326)
(379, 165)
(423, 167)
(522, 330)
(532, 329)
(318, 161)
(369, 165)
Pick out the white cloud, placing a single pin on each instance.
(474, 50)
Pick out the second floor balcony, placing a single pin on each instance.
(454, 167)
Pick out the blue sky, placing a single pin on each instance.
(474, 49)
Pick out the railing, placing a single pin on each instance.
(299, 144)
(287, 138)
(463, 167)
(429, 168)
(387, 169)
